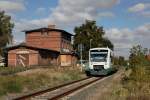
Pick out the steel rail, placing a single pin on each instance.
(27, 96)
(73, 90)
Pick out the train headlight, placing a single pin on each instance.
(83, 65)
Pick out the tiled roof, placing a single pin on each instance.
(28, 46)
(47, 29)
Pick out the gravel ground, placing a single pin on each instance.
(98, 90)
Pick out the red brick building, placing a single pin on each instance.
(49, 38)
(43, 46)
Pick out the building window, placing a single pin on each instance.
(44, 33)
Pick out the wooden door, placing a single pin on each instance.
(23, 60)
(63, 60)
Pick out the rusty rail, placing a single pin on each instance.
(72, 90)
(27, 96)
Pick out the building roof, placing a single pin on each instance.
(47, 29)
(30, 47)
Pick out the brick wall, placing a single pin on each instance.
(11, 59)
(51, 40)
(33, 59)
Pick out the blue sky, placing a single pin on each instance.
(126, 22)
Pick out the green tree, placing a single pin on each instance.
(6, 27)
(138, 56)
(89, 33)
(122, 61)
(119, 61)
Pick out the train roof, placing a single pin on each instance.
(101, 48)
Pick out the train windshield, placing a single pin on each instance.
(98, 55)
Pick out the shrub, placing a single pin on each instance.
(137, 83)
(138, 56)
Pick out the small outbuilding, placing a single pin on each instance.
(25, 55)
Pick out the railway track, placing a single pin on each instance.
(59, 91)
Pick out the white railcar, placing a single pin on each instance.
(100, 61)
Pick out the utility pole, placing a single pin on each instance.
(90, 42)
(81, 49)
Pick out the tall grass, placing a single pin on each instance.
(136, 85)
(10, 84)
(15, 83)
(12, 70)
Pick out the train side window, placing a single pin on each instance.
(111, 57)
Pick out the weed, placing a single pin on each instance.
(11, 83)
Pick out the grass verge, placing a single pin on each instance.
(37, 78)
(134, 85)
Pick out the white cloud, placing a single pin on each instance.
(8, 5)
(115, 33)
(70, 13)
(138, 7)
(125, 38)
(143, 30)
(74, 12)
(141, 9)
(77, 11)
(120, 37)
